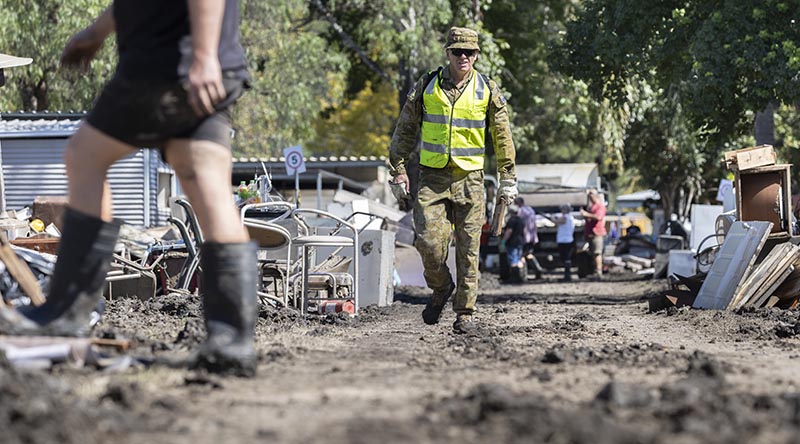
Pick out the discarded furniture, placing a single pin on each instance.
(377, 250)
(768, 276)
(271, 238)
(733, 262)
(328, 287)
(665, 243)
(189, 230)
(764, 193)
(146, 272)
(746, 158)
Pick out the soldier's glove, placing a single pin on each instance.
(508, 190)
(402, 196)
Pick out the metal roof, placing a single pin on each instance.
(48, 125)
(37, 128)
(366, 161)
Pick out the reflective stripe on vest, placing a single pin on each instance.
(454, 131)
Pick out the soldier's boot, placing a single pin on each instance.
(84, 258)
(230, 307)
(464, 324)
(433, 309)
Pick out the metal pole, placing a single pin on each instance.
(296, 189)
(319, 190)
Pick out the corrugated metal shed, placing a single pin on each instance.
(32, 158)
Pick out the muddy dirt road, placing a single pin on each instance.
(554, 362)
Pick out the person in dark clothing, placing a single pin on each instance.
(514, 239)
(180, 70)
(531, 233)
(565, 238)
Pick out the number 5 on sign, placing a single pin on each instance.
(295, 164)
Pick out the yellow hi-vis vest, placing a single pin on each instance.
(454, 131)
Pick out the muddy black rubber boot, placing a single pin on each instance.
(84, 258)
(433, 309)
(464, 324)
(230, 307)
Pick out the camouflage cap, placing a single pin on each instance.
(463, 38)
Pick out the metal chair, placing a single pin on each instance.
(271, 237)
(193, 242)
(307, 242)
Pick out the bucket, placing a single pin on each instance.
(14, 228)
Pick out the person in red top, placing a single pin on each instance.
(595, 229)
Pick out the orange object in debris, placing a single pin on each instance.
(330, 307)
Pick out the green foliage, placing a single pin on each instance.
(555, 119)
(40, 29)
(711, 65)
(726, 57)
(666, 153)
(294, 73)
(343, 133)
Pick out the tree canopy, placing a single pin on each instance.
(729, 59)
(640, 87)
(39, 29)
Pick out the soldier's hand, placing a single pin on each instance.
(400, 191)
(204, 85)
(402, 179)
(81, 49)
(508, 190)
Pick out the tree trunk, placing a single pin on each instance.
(42, 100)
(765, 126)
(28, 98)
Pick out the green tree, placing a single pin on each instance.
(40, 29)
(295, 75)
(555, 119)
(728, 58)
(666, 153)
(362, 126)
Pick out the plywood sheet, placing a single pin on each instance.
(734, 260)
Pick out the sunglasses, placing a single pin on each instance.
(460, 52)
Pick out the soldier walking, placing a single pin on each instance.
(453, 107)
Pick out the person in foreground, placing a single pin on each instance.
(180, 70)
(452, 107)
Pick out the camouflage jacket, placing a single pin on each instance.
(406, 135)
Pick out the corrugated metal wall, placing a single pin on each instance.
(34, 167)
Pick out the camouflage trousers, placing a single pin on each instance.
(450, 199)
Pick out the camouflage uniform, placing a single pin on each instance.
(450, 196)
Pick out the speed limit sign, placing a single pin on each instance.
(295, 163)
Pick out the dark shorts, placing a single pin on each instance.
(147, 114)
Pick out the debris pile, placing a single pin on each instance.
(758, 262)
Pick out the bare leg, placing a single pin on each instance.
(229, 261)
(89, 155)
(204, 169)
